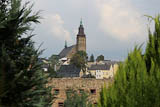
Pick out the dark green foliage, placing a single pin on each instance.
(22, 84)
(100, 58)
(54, 65)
(54, 60)
(52, 73)
(137, 80)
(79, 60)
(153, 45)
(91, 58)
(75, 99)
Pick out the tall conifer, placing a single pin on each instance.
(22, 84)
(137, 80)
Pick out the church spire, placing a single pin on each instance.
(65, 44)
(81, 29)
(81, 22)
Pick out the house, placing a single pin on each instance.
(69, 71)
(45, 64)
(101, 71)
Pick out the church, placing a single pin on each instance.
(80, 45)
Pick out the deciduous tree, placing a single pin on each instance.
(100, 58)
(75, 99)
(79, 60)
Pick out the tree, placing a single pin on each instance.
(22, 84)
(137, 80)
(100, 58)
(76, 100)
(92, 58)
(54, 60)
(79, 60)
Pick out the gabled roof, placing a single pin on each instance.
(68, 70)
(65, 51)
(100, 67)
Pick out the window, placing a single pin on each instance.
(60, 104)
(69, 91)
(81, 91)
(56, 91)
(93, 91)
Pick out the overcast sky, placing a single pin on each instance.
(112, 27)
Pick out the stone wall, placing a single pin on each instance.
(87, 84)
(81, 43)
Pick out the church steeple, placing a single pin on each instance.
(81, 38)
(65, 44)
(81, 22)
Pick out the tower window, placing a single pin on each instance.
(93, 91)
(81, 91)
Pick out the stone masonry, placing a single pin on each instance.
(89, 85)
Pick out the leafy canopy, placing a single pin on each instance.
(79, 60)
(75, 99)
(100, 58)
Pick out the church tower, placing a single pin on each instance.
(81, 39)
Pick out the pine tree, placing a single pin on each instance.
(92, 58)
(22, 84)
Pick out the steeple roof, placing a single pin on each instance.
(81, 29)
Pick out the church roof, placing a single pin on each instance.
(65, 51)
(100, 67)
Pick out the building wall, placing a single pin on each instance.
(86, 84)
(108, 74)
(101, 74)
(81, 43)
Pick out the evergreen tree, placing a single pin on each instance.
(153, 45)
(92, 58)
(137, 80)
(22, 84)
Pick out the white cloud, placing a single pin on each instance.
(55, 25)
(120, 19)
